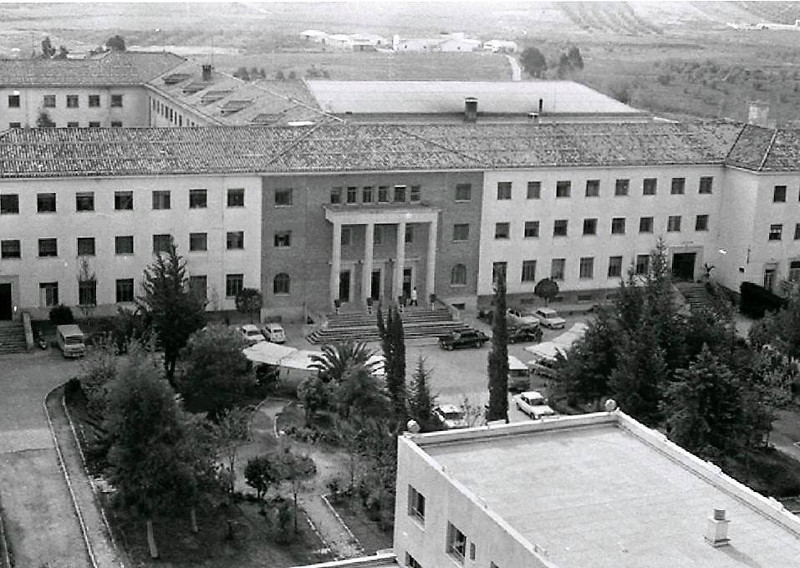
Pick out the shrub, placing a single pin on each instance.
(61, 315)
(755, 300)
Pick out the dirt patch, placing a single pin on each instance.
(369, 535)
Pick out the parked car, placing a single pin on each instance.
(274, 332)
(548, 317)
(457, 339)
(525, 333)
(521, 316)
(450, 416)
(251, 334)
(70, 340)
(533, 404)
(519, 378)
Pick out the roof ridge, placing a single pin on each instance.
(735, 142)
(440, 145)
(298, 102)
(767, 151)
(291, 144)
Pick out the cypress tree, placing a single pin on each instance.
(498, 356)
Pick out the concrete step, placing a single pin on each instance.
(12, 338)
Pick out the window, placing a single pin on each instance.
(775, 232)
(614, 266)
(87, 293)
(46, 202)
(618, 226)
(49, 101)
(72, 101)
(701, 223)
(416, 194)
(779, 194)
(198, 286)
(234, 283)
(198, 242)
(10, 249)
(678, 185)
(456, 543)
(124, 290)
(9, 204)
(645, 224)
(528, 271)
(458, 275)
(283, 197)
(674, 224)
(399, 194)
(563, 188)
(94, 124)
(592, 188)
(557, 266)
(706, 185)
(794, 271)
(499, 270)
(236, 197)
(352, 194)
(85, 246)
(590, 226)
(416, 504)
(642, 264)
(411, 562)
(48, 294)
(116, 124)
(409, 238)
(336, 195)
(377, 235)
(560, 228)
(123, 245)
(161, 199)
(383, 194)
(161, 243)
(586, 268)
(366, 194)
(48, 247)
(463, 191)
(94, 101)
(198, 199)
(649, 186)
(347, 236)
(15, 125)
(621, 187)
(503, 190)
(531, 229)
(461, 232)
(283, 239)
(235, 240)
(502, 230)
(84, 201)
(281, 285)
(472, 551)
(534, 190)
(797, 231)
(116, 100)
(13, 101)
(73, 124)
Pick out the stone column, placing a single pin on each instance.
(336, 262)
(399, 261)
(430, 272)
(366, 267)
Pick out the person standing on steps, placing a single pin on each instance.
(414, 301)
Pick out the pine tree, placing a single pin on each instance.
(498, 356)
(420, 400)
(396, 365)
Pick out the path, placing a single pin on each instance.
(332, 531)
(516, 68)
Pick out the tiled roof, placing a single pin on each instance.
(111, 69)
(766, 149)
(374, 147)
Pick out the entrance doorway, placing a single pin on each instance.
(375, 285)
(769, 278)
(6, 305)
(683, 266)
(407, 280)
(344, 286)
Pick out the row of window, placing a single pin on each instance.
(380, 234)
(123, 200)
(169, 113)
(586, 266)
(563, 188)
(74, 124)
(776, 232)
(71, 101)
(560, 226)
(779, 194)
(366, 194)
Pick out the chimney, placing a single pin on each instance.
(717, 529)
(470, 109)
(758, 114)
(207, 72)
(533, 117)
(541, 105)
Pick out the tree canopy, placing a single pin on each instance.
(498, 356)
(249, 301)
(533, 62)
(116, 43)
(546, 289)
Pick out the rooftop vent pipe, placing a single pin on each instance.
(470, 109)
(207, 72)
(717, 529)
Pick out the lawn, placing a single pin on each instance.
(371, 537)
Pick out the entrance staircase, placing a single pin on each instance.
(12, 337)
(418, 322)
(696, 295)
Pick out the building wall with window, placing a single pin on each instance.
(129, 111)
(529, 225)
(164, 112)
(106, 218)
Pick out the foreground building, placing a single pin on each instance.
(590, 491)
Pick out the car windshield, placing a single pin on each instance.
(73, 340)
(453, 415)
(252, 333)
(535, 401)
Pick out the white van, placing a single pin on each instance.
(519, 378)
(70, 341)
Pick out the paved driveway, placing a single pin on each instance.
(39, 516)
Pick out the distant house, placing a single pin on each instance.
(459, 44)
(419, 44)
(339, 41)
(367, 42)
(500, 46)
(314, 36)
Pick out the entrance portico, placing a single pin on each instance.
(373, 271)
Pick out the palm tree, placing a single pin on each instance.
(337, 358)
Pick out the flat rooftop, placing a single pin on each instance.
(612, 493)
